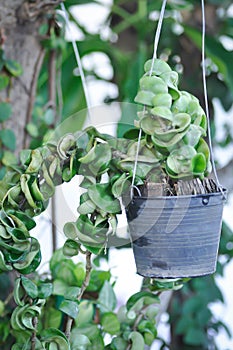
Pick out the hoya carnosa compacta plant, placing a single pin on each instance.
(173, 123)
(172, 147)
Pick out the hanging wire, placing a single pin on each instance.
(157, 34)
(156, 43)
(206, 97)
(79, 62)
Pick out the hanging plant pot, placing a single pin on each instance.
(176, 236)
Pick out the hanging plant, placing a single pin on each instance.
(174, 235)
(171, 148)
(174, 214)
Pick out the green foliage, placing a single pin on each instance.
(216, 51)
(173, 119)
(4, 81)
(5, 111)
(13, 68)
(9, 67)
(194, 317)
(8, 139)
(57, 338)
(107, 299)
(47, 301)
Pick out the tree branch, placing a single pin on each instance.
(37, 68)
(52, 79)
(118, 154)
(30, 11)
(53, 105)
(53, 224)
(225, 176)
(34, 330)
(33, 338)
(83, 288)
(87, 276)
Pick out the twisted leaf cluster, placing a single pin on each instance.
(173, 122)
(26, 189)
(30, 299)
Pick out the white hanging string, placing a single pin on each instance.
(157, 34)
(206, 97)
(156, 43)
(79, 62)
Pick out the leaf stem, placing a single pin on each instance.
(33, 338)
(87, 276)
(83, 288)
(8, 299)
(69, 323)
(53, 224)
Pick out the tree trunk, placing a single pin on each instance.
(20, 21)
(19, 25)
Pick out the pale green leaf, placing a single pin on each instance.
(5, 111)
(137, 341)
(69, 307)
(107, 298)
(110, 323)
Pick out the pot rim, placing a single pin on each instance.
(201, 195)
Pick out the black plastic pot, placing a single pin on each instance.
(176, 236)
